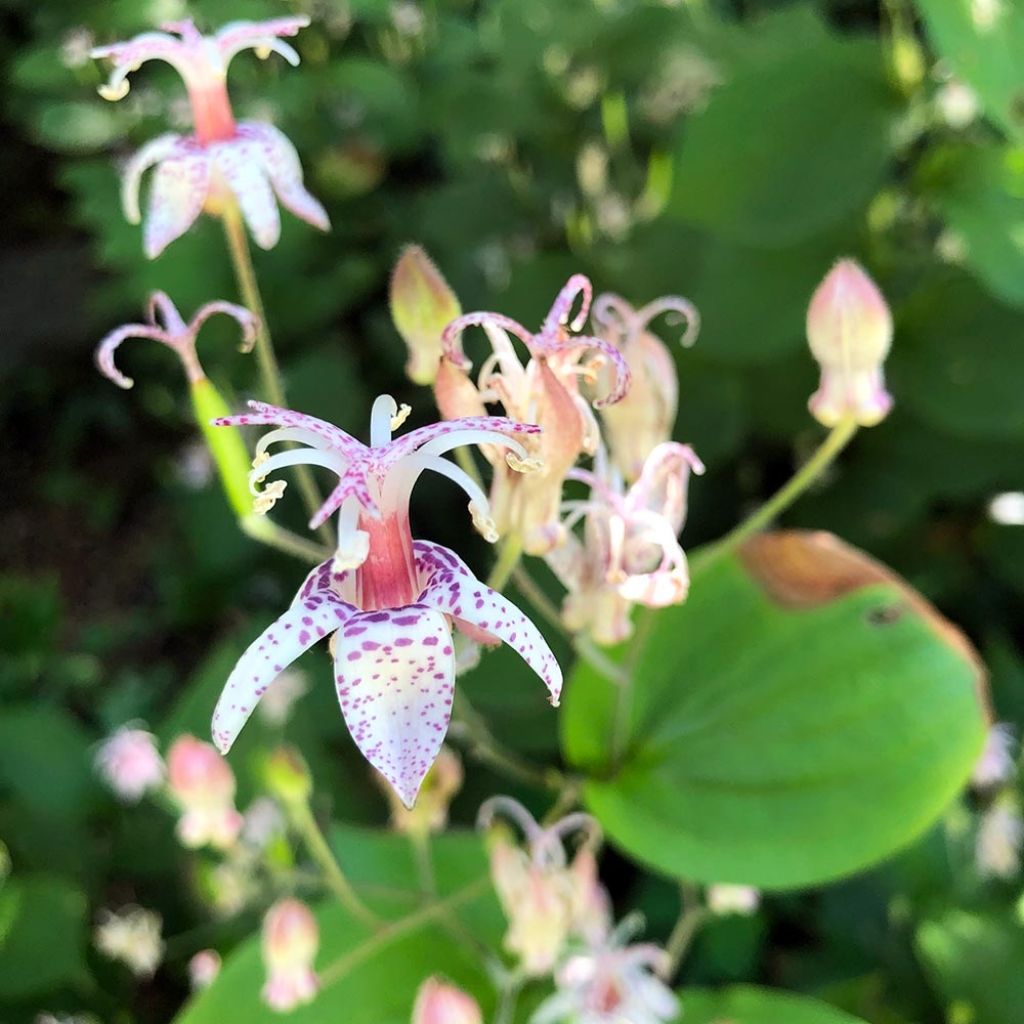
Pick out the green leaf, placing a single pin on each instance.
(366, 978)
(42, 938)
(748, 1005)
(802, 716)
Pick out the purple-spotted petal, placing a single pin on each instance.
(163, 147)
(240, 162)
(315, 613)
(267, 415)
(259, 35)
(176, 198)
(450, 587)
(416, 439)
(351, 485)
(394, 672)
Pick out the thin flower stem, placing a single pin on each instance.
(566, 801)
(274, 536)
(506, 1011)
(266, 359)
(527, 585)
(692, 916)
(838, 438)
(508, 558)
(319, 849)
(421, 855)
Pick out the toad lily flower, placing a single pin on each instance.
(544, 391)
(644, 417)
(629, 553)
(390, 602)
(224, 161)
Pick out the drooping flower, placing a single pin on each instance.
(997, 852)
(202, 784)
(224, 161)
(629, 552)
(438, 1002)
(546, 899)
(611, 984)
(644, 418)
(291, 938)
(996, 764)
(203, 969)
(130, 763)
(545, 391)
(389, 602)
(849, 329)
(439, 787)
(132, 936)
(724, 899)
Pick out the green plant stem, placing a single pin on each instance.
(421, 855)
(319, 849)
(274, 536)
(506, 1011)
(266, 358)
(691, 917)
(838, 438)
(508, 559)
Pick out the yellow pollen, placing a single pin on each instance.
(114, 93)
(527, 465)
(483, 523)
(267, 498)
(401, 416)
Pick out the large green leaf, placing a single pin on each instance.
(804, 715)
(748, 1005)
(367, 978)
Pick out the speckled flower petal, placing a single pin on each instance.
(450, 587)
(176, 198)
(259, 35)
(163, 147)
(395, 672)
(266, 415)
(315, 613)
(240, 162)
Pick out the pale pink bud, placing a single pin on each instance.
(437, 1002)
(130, 763)
(430, 812)
(724, 899)
(291, 939)
(203, 969)
(996, 764)
(203, 785)
(422, 305)
(849, 328)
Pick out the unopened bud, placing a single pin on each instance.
(437, 1002)
(203, 969)
(130, 764)
(291, 938)
(422, 305)
(430, 813)
(849, 328)
(203, 786)
(287, 776)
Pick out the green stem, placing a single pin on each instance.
(266, 358)
(691, 917)
(319, 849)
(421, 855)
(506, 1011)
(838, 438)
(508, 558)
(269, 533)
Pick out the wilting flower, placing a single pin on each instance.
(644, 417)
(726, 899)
(611, 984)
(849, 328)
(291, 938)
(130, 763)
(996, 764)
(545, 391)
(439, 787)
(131, 935)
(224, 161)
(203, 969)
(545, 899)
(1000, 835)
(203, 786)
(390, 602)
(437, 1002)
(422, 305)
(629, 552)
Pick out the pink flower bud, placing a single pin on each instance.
(422, 305)
(130, 763)
(203, 785)
(203, 969)
(291, 938)
(440, 1003)
(849, 328)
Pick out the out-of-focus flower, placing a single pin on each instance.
(1007, 509)
(232, 885)
(629, 552)
(291, 938)
(132, 936)
(76, 47)
(130, 763)
(545, 899)
(996, 764)
(388, 602)
(849, 329)
(545, 391)
(422, 305)
(957, 103)
(591, 904)
(439, 787)
(263, 822)
(203, 786)
(203, 969)
(438, 1002)
(723, 899)
(643, 419)
(998, 846)
(224, 161)
(611, 984)
(283, 692)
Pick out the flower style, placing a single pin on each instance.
(291, 938)
(203, 786)
(130, 763)
(390, 602)
(545, 391)
(629, 553)
(224, 161)
(546, 900)
(644, 417)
